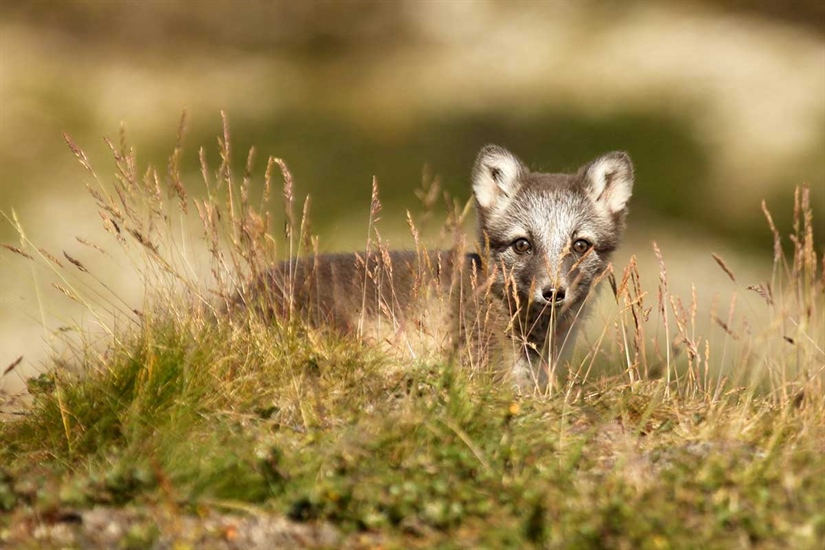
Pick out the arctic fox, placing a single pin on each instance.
(543, 239)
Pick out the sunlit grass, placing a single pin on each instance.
(658, 436)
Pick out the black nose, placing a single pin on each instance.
(553, 295)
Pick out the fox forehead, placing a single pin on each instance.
(550, 208)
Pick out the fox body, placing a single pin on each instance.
(543, 240)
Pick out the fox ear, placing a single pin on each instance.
(496, 176)
(609, 181)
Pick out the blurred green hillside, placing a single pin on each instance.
(345, 91)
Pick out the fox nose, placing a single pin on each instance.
(553, 295)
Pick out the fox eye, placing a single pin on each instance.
(521, 246)
(581, 246)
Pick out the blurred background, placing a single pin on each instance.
(720, 103)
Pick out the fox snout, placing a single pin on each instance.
(555, 280)
(548, 281)
(553, 295)
(560, 285)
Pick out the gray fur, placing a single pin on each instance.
(505, 306)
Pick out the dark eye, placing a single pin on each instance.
(581, 246)
(521, 246)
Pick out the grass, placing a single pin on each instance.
(658, 437)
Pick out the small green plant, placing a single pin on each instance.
(658, 436)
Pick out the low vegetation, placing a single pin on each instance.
(191, 427)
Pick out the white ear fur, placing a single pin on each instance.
(609, 181)
(496, 176)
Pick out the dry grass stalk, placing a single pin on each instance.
(16, 251)
(173, 174)
(663, 298)
(73, 261)
(718, 259)
(289, 225)
(13, 365)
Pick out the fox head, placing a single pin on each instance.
(548, 236)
